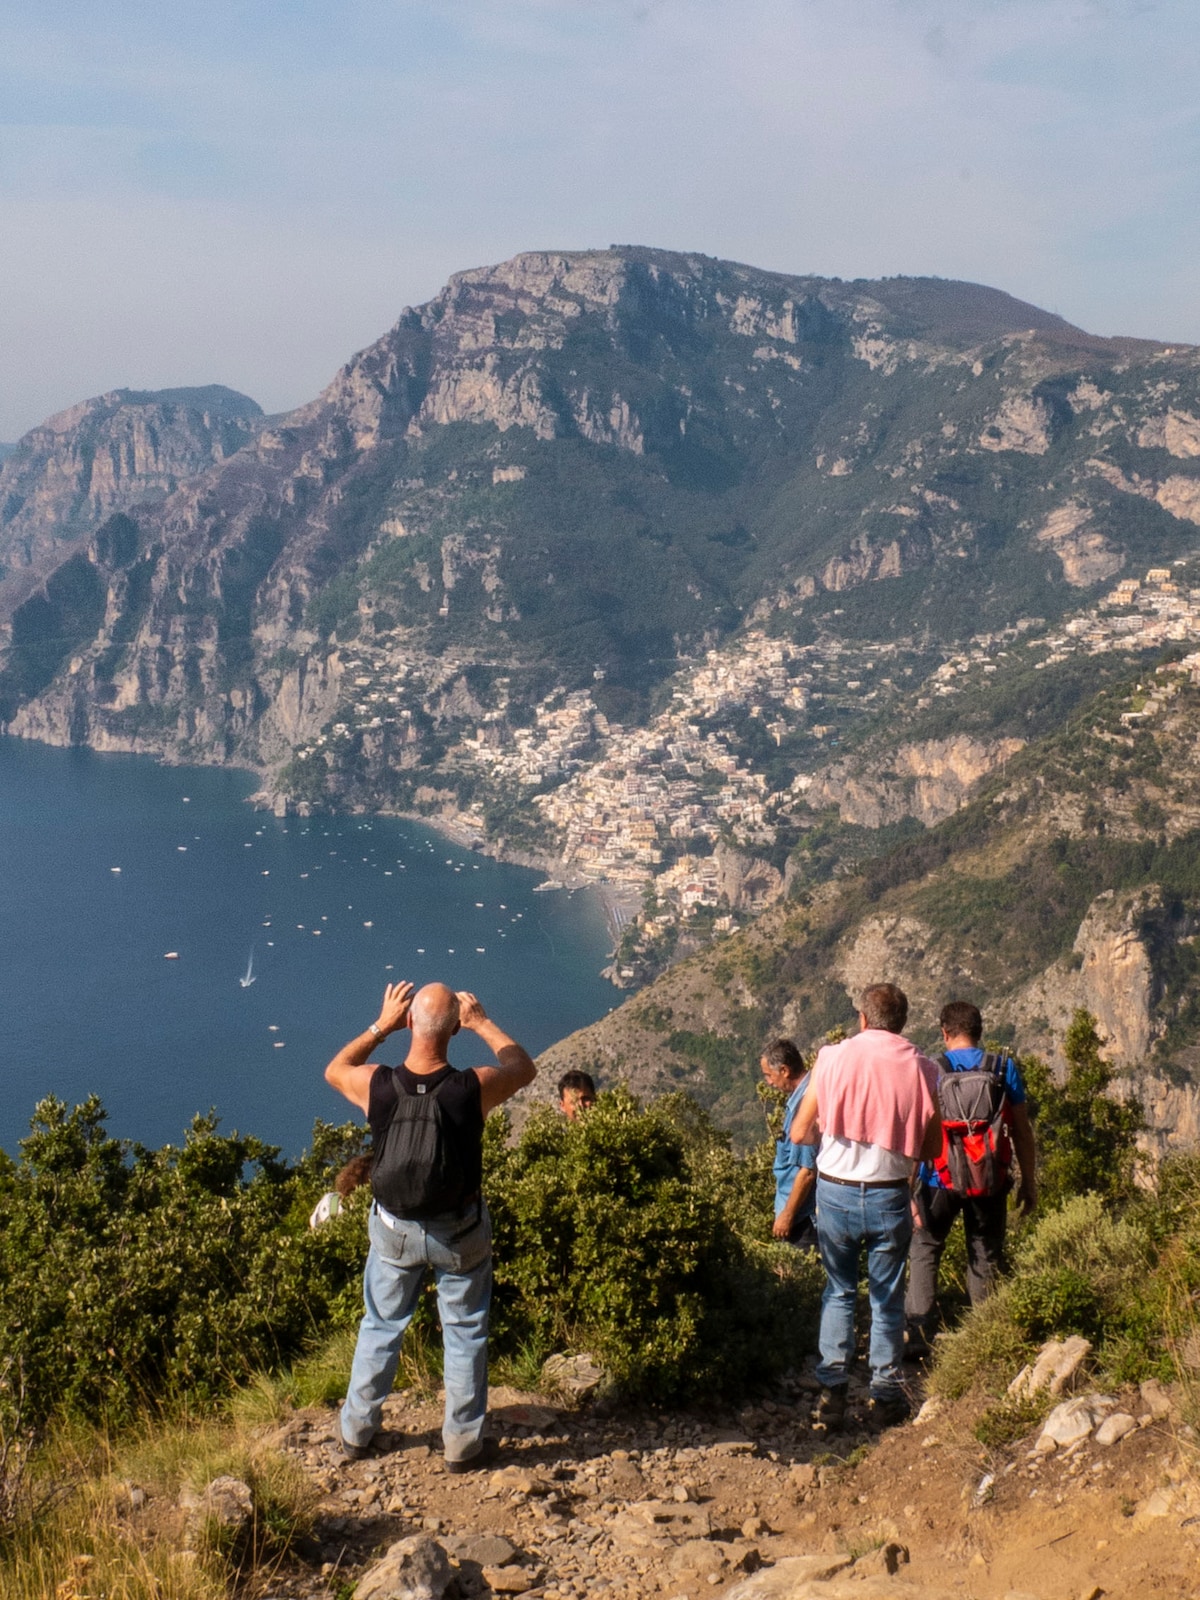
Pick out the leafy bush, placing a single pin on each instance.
(128, 1273)
(635, 1234)
(1087, 1140)
(1080, 1270)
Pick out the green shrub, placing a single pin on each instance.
(634, 1234)
(1079, 1270)
(129, 1274)
(1087, 1140)
(1011, 1418)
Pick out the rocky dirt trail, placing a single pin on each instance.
(752, 1504)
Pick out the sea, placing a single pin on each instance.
(167, 947)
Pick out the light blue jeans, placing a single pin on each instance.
(849, 1217)
(459, 1253)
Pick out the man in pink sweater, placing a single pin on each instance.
(874, 1099)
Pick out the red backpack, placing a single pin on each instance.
(977, 1152)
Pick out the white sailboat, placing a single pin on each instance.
(249, 978)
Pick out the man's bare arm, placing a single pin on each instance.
(1023, 1144)
(931, 1145)
(804, 1123)
(515, 1070)
(801, 1188)
(350, 1072)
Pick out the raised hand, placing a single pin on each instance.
(393, 1013)
(470, 1012)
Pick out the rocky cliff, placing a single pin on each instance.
(61, 481)
(582, 468)
(928, 779)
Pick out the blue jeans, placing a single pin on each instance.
(847, 1218)
(459, 1252)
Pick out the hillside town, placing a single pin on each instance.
(1137, 614)
(646, 808)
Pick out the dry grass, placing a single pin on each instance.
(109, 1522)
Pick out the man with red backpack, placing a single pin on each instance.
(985, 1122)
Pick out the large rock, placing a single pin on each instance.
(221, 1513)
(1057, 1363)
(787, 1577)
(1072, 1421)
(574, 1377)
(1108, 973)
(833, 1578)
(413, 1569)
(1114, 1428)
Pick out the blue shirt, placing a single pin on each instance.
(791, 1159)
(967, 1061)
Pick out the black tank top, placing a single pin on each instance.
(462, 1109)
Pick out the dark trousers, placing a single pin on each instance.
(985, 1221)
(804, 1234)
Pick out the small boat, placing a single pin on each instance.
(249, 978)
(171, 955)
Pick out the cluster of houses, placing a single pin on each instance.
(635, 805)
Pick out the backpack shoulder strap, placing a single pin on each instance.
(995, 1063)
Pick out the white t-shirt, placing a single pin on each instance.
(860, 1163)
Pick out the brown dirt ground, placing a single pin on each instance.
(1118, 1522)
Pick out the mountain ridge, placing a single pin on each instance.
(634, 560)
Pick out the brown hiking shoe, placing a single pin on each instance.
(830, 1413)
(889, 1412)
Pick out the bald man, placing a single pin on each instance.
(428, 1215)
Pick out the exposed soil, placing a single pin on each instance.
(684, 1504)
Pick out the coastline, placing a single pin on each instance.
(619, 902)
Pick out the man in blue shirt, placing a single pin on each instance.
(795, 1165)
(985, 1217)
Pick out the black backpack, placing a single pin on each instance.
(418, 1171)
(977, 1153)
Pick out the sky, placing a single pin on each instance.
(248, 191)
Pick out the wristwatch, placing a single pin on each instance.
(377, 1031)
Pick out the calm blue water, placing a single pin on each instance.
(331, 909)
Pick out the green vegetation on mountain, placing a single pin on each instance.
(1083, 853)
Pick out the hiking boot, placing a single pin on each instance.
(489, 1449)
(352, 1452)
(889, 1412)
(830, 1414)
